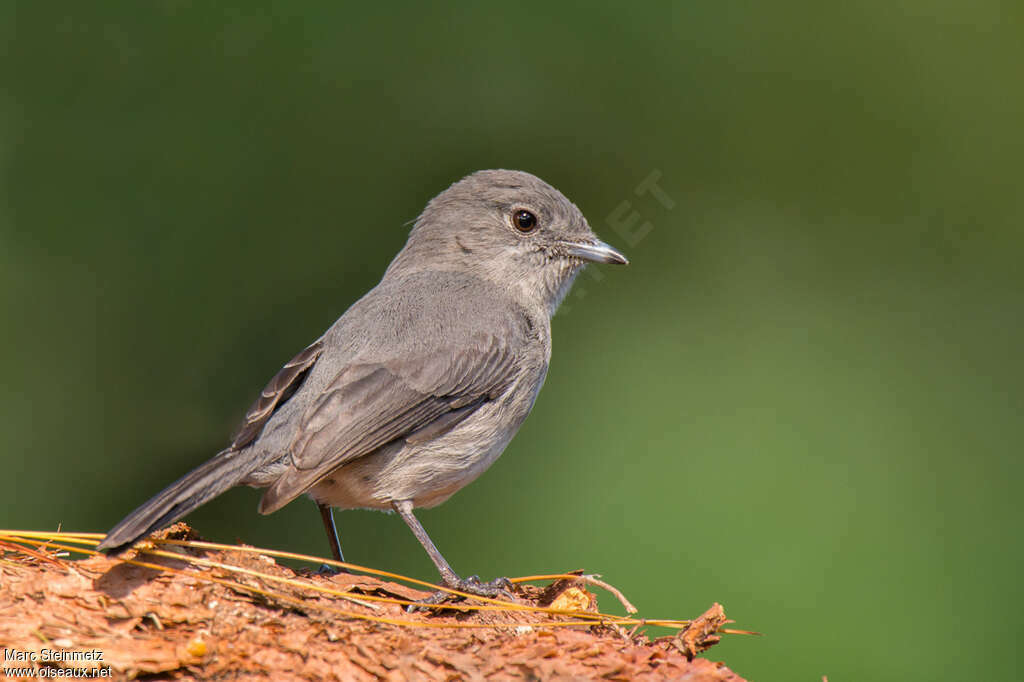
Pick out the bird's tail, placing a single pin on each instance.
(192, 490)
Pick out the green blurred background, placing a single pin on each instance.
(803, 398)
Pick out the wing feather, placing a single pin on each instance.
(281, 387)
(369, 405)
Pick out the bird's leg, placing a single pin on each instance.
(500, 587)
(332, 537)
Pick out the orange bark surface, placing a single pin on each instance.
(187, 622)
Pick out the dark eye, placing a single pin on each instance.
(524, 221)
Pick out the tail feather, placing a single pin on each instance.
(192, 490)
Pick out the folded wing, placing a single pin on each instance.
(368, 405)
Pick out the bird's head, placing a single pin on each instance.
(509, 227)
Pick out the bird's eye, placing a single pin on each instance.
(524, 221)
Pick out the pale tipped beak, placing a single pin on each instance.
(596, 251)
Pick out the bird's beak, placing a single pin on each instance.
(596, 251)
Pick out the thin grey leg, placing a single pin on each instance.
(404, 509)
(472, 585)
(327, 515)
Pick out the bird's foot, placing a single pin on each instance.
(499, 588)
(329, 571)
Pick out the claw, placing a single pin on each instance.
(328, 571)
(499, 588)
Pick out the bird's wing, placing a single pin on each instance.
(281, 387)
(370, 404)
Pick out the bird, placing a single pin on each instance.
(421, 384)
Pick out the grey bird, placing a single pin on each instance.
(416, 390)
